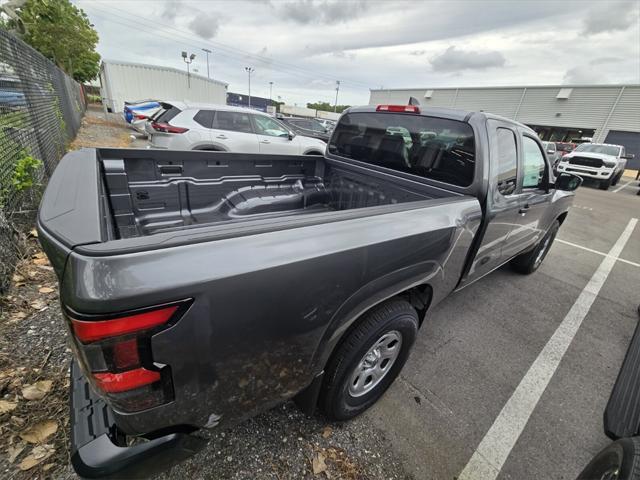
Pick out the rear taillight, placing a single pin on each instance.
(116, 351)
(398, 108)
(140, 117)
(166, 128)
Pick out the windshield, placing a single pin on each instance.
(594, 148)
(430, 147)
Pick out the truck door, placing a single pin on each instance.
(503, 200)
(534, 198)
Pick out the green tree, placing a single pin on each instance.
(327, 107)
(63, 33)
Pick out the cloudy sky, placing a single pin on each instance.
(304, 46)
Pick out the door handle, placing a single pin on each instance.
(523, 210)
(222, 137)
(265, 141)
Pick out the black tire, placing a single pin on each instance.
(529, 262)
(616, 179)
(620, 460)
(391, 317)
(604, 184)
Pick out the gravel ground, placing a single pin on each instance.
(280, 444)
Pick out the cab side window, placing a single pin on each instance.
(534, 164)
(507, 161)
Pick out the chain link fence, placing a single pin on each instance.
(41, 109)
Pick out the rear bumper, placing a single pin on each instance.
(96, 440)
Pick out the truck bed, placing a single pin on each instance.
(150, 192)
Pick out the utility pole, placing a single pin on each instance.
(270, 91)
(188, 62)
(249, 71)
(335, 106)
(207, 52)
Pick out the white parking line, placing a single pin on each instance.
(490, 455)
(622, 186)
(629, 262)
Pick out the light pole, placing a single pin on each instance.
(249, 71)
(188, 62)
(207, 52)
(270, 91)
(335, 106)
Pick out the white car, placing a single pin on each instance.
(191, 126)
(600, 161)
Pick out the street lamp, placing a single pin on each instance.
(249, 71)
(270, 91)
(207, 52)
(188, 62)
(335, 106)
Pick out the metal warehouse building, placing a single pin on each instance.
(604, 113)
(124, 81)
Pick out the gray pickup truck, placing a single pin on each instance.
(200, 288)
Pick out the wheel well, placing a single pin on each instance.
(420, 298)
(313, 152)
(562, 217)
(209, 148)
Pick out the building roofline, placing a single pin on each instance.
(160, 67)
(495, 87)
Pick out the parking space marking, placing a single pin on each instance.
(628, 262)
(623, 186)
(490, 455)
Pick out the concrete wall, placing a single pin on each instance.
(121, 81)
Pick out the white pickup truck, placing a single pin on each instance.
(600, 161)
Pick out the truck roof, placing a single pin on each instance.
(449, 113)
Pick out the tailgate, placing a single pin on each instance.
(70, 212)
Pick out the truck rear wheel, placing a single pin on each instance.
(529, 262)
(620, 460)
(369, 359)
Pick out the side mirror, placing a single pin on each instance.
(567, 182)
(291, 135)
(629, 156)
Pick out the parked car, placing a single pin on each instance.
(139, 112)
(326, 123)
(200, 288)
(190, 126)
(553, 154)
(620, 460)
(10, 98)
(309, 127)
(600, 161)
(565, 147)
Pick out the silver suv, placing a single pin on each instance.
(191, 126)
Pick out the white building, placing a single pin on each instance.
(604, 113)
(124, 81)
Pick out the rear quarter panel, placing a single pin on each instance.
(269, 308)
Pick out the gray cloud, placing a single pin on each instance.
(417, 53)
(171, 9)
(604, 60)
(583, 75)
(323, 12)
(205, 25)
(611, 17)
(453, 60)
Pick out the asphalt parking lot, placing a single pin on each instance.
(480, 342)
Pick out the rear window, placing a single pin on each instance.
(436, 148)
(168, 114)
